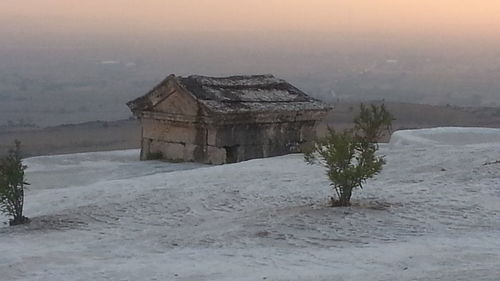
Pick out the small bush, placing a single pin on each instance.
(372, 122)
(12, 183)
(350, 156)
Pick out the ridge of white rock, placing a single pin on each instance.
(432, 214)
(446, 136)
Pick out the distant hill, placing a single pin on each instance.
(125, 134)
(72, 138)
(416, 116)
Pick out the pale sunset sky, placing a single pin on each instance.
(422, 51)
(152, 16)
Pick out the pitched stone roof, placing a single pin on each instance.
(259, 93)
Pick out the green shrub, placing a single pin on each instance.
(372, 122)
(350, 156)
(12, 183)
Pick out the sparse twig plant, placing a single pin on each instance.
(372, 122)
(12, 184)
(350, 156)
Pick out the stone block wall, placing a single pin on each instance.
(180, 142)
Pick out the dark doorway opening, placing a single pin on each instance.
(231, 154)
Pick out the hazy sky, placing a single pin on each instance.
(446, 50)
(480, 17)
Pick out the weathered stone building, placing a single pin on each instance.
(225, 120)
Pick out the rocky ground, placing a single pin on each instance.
(432, 214)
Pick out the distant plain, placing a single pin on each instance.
(125, 134)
